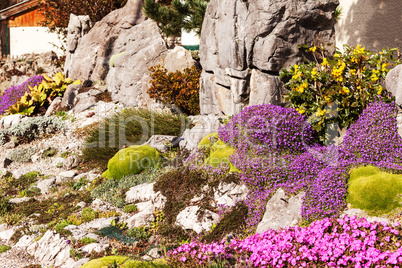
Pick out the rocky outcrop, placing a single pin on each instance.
(393, 83)
(78, 26)
(281, 211)
(90, 60)
(245, 44)
(134, 52)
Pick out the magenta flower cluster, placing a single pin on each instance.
(347, 242)
(277, 152)
(12, 94)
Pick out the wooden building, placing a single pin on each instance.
(20, 32)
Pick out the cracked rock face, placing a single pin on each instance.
(245, 44)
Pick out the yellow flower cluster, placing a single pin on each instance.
(337, 72)
(359, 49)
(325, 62)
(314, 74)
(302, 87)
(344, 91)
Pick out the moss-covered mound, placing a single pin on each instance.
(122, 262)
(373, 190)
(132, 160)
(219, 152)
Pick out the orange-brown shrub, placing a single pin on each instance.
(178, 88)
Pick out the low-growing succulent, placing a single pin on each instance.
(32, 128)
(88, 214)
(130, 208)
(22, 155)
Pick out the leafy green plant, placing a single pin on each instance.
(113, 191)
(179, 88)
(4, 248)
(49, 152)
(88, 214)
(12, 218)
(40, 96)
(132, 126)
(31, 129)
(4, 206)
(130, 208)
(138, 233)
(87, 240)
(61, 225)
(333, 92)
(22, 155)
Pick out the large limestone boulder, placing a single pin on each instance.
(393, 83)
(134, 51)
(245, 44)
(281, 211)
(90, 60)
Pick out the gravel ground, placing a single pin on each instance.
(15, 258)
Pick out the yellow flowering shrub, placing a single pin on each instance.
(333, 91)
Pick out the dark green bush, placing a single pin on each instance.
(129, 127)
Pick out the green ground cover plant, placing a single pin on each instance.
(373, 190)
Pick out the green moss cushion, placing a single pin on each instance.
(132, 160)
(219, 151)
(206, 141)
(123, 262)
(373, 190)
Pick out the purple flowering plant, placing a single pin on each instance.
(12, 94)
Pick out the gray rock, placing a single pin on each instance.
(71, 162)
(84, 104)
(68, 174)
(71, 263)
(179, 59)
(142, 192)
(25, 241)
(152, 255)
(281, 211)
(140, 219)
(98, 223)
(241, 35)
(96, 247)
(204, 125)
(5, 232)
(359, 213)
(264, 88)
(393, 83)
(10, 120)
(45, 185)
(18, 200)
(10, 145)
(69, 96)
(18, 80)
(50, 250)
(160, 142)
(229, 194)
(188, 219)
(144, 47)
(54, 106)
(90, 60)
(77, 232)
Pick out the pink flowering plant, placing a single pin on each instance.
(334, 91)
(344, 242)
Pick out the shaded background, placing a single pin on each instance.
(375, 24)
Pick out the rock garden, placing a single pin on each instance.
(267, 148)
